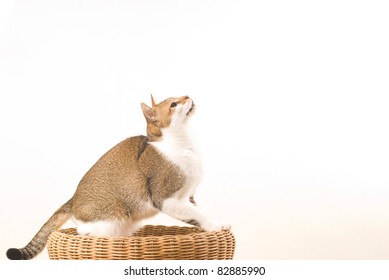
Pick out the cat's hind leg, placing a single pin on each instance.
(111, 228)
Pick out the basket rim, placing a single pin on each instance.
(192, 232)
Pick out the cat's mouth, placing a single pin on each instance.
(192, 108)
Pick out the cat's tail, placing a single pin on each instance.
(38, 243)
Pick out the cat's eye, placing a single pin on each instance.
(174, 104)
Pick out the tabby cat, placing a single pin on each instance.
(136, 179)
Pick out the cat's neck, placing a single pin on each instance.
(182, 138)
(179, 148)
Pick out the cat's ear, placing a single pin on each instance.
(152, 101)
(148, 113)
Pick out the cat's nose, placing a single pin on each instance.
(185, 98)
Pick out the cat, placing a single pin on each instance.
(136, 179)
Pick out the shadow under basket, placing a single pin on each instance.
(149, 243)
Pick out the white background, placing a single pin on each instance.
(292, 117)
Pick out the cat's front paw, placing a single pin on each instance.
(225, 227)
(216, 227)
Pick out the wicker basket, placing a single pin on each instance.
(149, 243)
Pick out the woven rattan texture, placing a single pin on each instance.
(149, 243)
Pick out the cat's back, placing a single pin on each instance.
(129, 149)
(120, 161)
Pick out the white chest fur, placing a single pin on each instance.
(179, 149)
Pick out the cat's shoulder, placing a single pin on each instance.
(134, 145)
(136, 140)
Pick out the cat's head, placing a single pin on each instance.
(171, 114)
